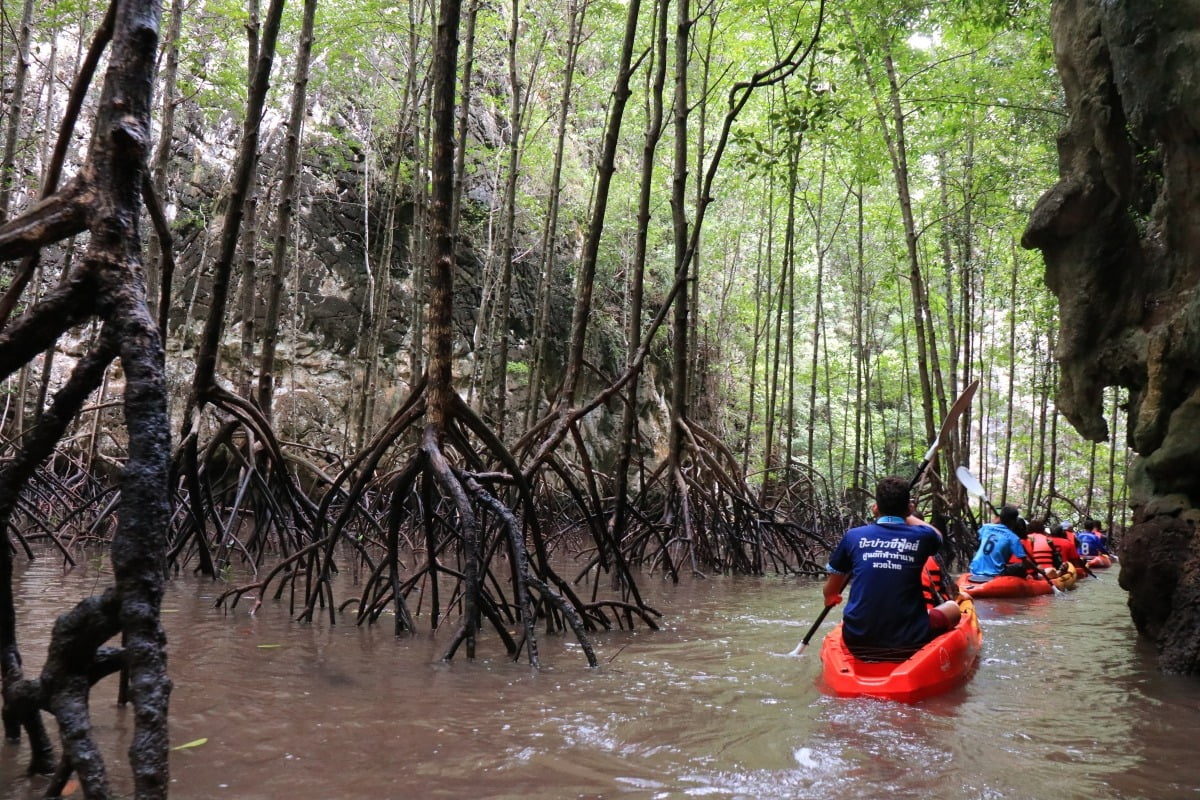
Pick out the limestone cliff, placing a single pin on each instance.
(1120, 233)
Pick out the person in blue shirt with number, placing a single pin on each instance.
(1091, 541)
(999, 541)
(886, 617)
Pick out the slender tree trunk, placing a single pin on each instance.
(575, 15)
(1052, 479)
(892, 124)
(862, 413)
(633, 331)
(1012, 381)
(1038, 440)
(248, 301)
(788, 296)
(284, 212)
(162, 156)
(1091, 481)
(760, 275)
(243, 175)
(440, 388)
(605, 168)
(817, 214)
(1115, 443)
(498, 383)
(16, 110)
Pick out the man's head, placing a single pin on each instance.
(1067, 526)
(891, 497)
(1037, 525)
(1010, 517)
(1056, 529)
(1091, 525)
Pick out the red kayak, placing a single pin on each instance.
(937, 667)
(1101, 561)
(1003, 586)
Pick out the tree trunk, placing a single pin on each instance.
(243, 174)
(576, 11)
(1012, 380)
(155, 259)
(284, 212)
(106, 197)
(637, 270)
(16, 110)
(605, 167)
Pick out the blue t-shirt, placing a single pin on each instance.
(886, 608)
(997, 544)
(1090, 545)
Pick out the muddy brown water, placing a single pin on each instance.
(1064, 704)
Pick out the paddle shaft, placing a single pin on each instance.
(811, 631)
(956, 411)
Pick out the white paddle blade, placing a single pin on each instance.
(969, 482)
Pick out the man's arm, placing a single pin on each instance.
(833, 587)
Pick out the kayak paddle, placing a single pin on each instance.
(956, 411)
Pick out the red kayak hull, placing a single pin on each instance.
(937, 667)
(1004, 586)
(1101, 561)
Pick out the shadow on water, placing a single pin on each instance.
(1065, 703)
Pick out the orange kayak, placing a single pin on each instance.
(1099, 562)
(1003, 586)
(1067, 580)
(937, 667)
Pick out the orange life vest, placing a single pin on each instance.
(1043, 552)
(932, 583)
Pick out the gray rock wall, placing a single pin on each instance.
(1120, 233)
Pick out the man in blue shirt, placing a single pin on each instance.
(1091, 541)
(999, 541)
(886, 617)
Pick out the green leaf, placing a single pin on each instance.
(194, 743)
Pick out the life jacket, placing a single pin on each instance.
(1043, 551)
(932, 583)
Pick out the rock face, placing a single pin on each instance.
(1120, 233)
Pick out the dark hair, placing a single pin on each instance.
(1057, 530)
(1088, 524)
(892, 497)
(1009, 516)
(1037, 525)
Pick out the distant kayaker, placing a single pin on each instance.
(886, 617)
(1042, 550)
(1091, 541)
(1063, 538)
(999, 541)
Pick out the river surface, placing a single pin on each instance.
(1065, 703)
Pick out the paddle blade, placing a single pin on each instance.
(969, 482)
(956, 410)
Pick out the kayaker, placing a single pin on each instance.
(1041, 549)
(885, 618)
(999, 541)
(1091, 543)
(1062, 537)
